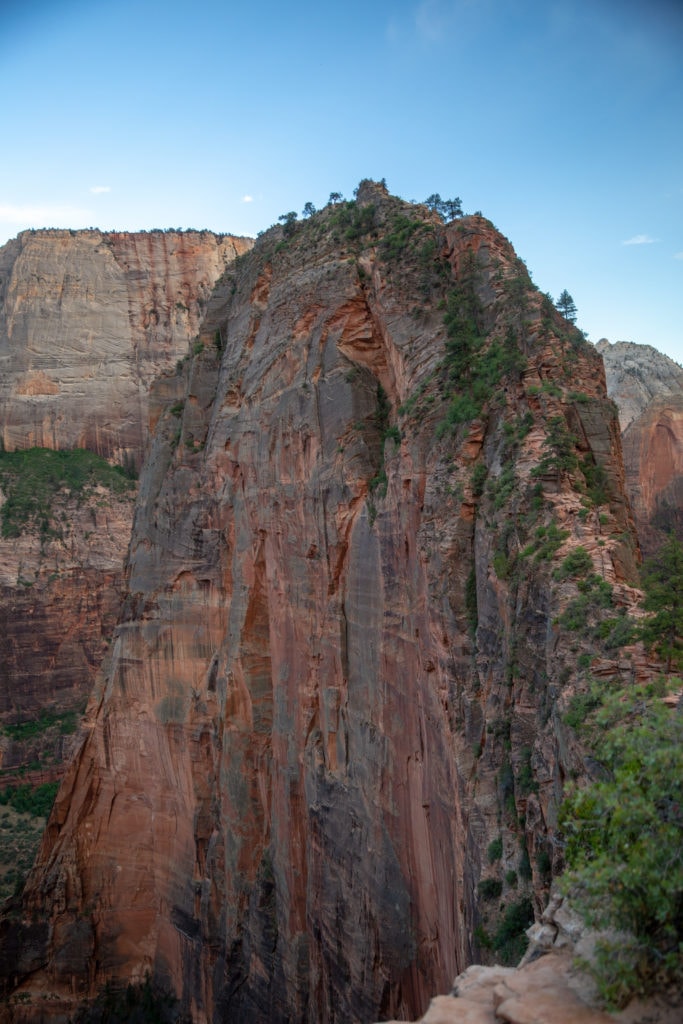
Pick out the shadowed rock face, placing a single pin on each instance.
(338, 674)
(648, 389)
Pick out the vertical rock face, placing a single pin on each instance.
(648, 389)
(339, 674)
(87, 320)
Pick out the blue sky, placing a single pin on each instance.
(561, 121)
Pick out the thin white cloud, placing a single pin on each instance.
(43, 216)
(99, 189)
(247, 199)
(639, 240)
(678, 255)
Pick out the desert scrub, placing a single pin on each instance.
(32, 478)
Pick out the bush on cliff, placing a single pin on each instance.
(624, 845)
(31, 478)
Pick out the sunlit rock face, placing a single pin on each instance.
(338, 675)
(87, 320)
(648, 389)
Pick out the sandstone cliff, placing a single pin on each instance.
(334, 702)
(87, 320)
(648, 389)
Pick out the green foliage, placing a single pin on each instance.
(288, 221)
(525, 775)
(510, 941)
(447, 209)
(500, 488)
(547, 541)
(595, 594)
(560, 449)
(624, 845)
(581, 705)
(597, 481)
(35, 800)
(567, 306)
(396, 241)
(544, 866)
(32, 478)
(511, 879)
(495, 850)
(490, 888)
(353, 220)
(577, 563)
(616, 632)
(662, 580)
(473, 369)
(478, 479)
(67, 721)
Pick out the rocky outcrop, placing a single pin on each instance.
(334, 700)
(648, 389)
(87, 320)
(550, 986)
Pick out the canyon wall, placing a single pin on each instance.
(87, 321)
(339, 676)
(648, 390)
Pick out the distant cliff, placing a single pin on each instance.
(381, 519)
(648, 390)
(87, 321)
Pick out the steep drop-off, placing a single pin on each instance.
(334, 699)
(87, 321)
(648, 389)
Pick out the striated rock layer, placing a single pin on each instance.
(87, 320)
(648, 389)
(339, 674)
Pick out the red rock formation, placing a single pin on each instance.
(648, 389)
(339, 673)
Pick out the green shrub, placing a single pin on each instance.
(35, 800)
(495, 850)
(478, 479)
(577, 563)
(510, 940)
(490, 888)
(624, 845)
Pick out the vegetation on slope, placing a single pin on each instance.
(624, 832)
(31, 479)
